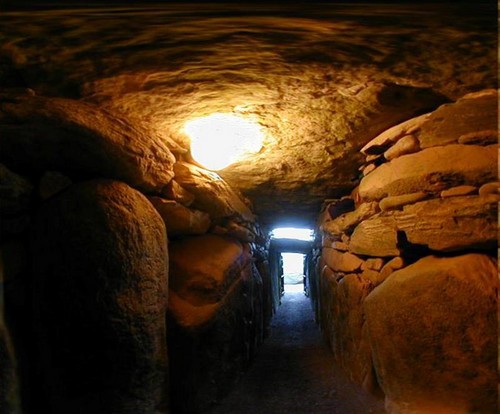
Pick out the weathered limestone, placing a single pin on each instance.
(100, 266)
(216, 318)
(212, 194)
(433, 332)
(74, 137)
(431, 170)
(443, 225)
(180, 220)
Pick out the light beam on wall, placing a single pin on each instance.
(218, 140)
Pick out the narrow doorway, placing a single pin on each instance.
(293, 272)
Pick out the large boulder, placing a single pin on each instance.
(77, 138)
(431, 170)
(215, 316)
(433, 331)
(100, 265)
(450, 224)
(212, 194)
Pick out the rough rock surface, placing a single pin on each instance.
(391, 136)
(212, 194)
(326, 78)
(347, 222)
(433, 170)
(342, 262)
(216, 317)
(202, 268)
(472, 118)
(406, 145)
(445, 225)
(433, 331)
(100, 267)
(78, 138)
(180, 220)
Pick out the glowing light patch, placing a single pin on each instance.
(292, 233)
(218, 140)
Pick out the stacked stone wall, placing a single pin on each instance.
(108, 229)
(406, 277)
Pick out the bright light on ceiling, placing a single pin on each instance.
(292, 233)
(218, 140)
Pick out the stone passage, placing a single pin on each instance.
(295, 372)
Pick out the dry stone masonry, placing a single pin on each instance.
(119, 255)
(405, 280)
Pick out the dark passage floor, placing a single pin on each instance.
(294, 372)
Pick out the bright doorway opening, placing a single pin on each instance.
(293, 272)
(292, 233)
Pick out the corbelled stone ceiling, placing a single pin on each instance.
(322, 80)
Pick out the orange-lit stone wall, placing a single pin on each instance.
(405, 273)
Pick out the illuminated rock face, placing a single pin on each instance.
(106, 95)
(321, 81)
(433, 331)
(40, 134)
(408, 310)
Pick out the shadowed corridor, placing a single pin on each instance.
(294, 372)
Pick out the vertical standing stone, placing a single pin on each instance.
(100, 267)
